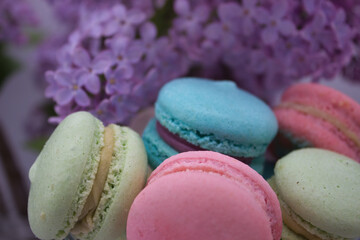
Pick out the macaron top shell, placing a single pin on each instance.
(322, 187)
(60, 183)
(204, 195)
(201, 111)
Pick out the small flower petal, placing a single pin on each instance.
(64, 96)
(286, 27)
(135, 17)
(182, 7)
(82, 98)
(81, 57)
(269, 35)
(64, 78)
(148, 31)
(92, 83)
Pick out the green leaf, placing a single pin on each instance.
(163, 18)
(36, 144)
(7, 65)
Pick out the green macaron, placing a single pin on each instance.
(85, 179)
(319, 194)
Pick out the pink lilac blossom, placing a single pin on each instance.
(14, 17)
(118, 62)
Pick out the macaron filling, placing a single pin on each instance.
(181, 145)
(85, 223)
(318, 113)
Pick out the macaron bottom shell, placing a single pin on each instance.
(158, 150)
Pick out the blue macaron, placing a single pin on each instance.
(202, 114)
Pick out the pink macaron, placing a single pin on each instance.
(205, 195)
(314, 115)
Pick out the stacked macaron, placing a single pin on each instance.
(205, 195)
(199, 114)
(85, 179)
(314, 115)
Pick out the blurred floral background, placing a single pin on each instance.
(111, 57)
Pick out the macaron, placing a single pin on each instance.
(193, 114)
(319, 195)
(85, 179)
(314, 115)
(205, 195)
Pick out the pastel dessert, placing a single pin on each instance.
(314, 115)
(193, 114)
(319, 195)
(85, 179)
(205, 195)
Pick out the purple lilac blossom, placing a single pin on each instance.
(352, 15)
(266, 45)
(14, 17)
(262, 45)
(113, 65)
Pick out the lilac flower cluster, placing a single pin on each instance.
(113, 65)
(265, 45)
(115, 62)
(352, 9)
(14, 16)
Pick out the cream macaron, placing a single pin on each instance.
(319, 194)
(85, 180)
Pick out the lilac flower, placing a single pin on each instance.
(190, 21)
(52, 86)
(118, 63)
(317, 34)
(119, 80)
(225, 31)
(151, 45)
(70, 88)
(248, 13)
(342, 31)
(311, 6)
(105, 111)
(124, 109)
(122, 51)
(275, 22)
(124, 21)
(90, 69)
